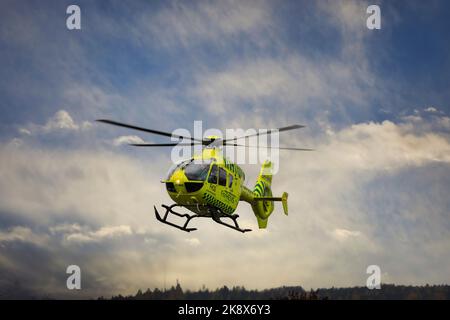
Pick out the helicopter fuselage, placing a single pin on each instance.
(204, 181)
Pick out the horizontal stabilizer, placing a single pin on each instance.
(283, 200)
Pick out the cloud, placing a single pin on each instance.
(93, 186)
(65, 228)
(193, 242)
(343, 234)
(372, 186)
(286, 84)
(22, 234)
(91, 97)
(444, 122)
(92, 208)
(127, 140)
(100, 234)
(430, 109)
(187, 25)
(386, 146)
(60, 121)
(25, 131)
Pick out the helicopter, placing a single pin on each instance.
(210, 185)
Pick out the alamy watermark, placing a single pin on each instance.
(374, 20)
(374, 280)
(73, 282)
(258, 145)
(73, 21)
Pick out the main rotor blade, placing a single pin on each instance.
(164, 144)
(161, 133)
(268, 147)
(293, 127)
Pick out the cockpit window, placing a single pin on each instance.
(222, 177)
(175, 167)
(197, 170)
(213, 175)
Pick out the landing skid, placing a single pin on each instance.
(213, 213)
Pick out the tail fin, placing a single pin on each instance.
(262, 203)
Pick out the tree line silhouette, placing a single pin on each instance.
(387, 292)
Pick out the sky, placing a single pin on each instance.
(374, 102)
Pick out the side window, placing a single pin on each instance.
(213, 175)
(230, 181)
(222, 177)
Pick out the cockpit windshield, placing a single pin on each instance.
(175, 167)
(194, 170)
(197, 170)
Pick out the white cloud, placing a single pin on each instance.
(90, 98)
(25, 131)
(99, 187)
(412, 118)
(103, 233)
(282, 84)
(349, 16)
(183, 24)
(127, 140)
(112, 231)
(193, 242)
(22, 234)
(386, 146)
(65, 228)
(444, 122)
(15, 142)
(344, 234)
(430, 109)
(361, 196)
(60, 121)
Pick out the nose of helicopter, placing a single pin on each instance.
(183, 190)
(178, 179)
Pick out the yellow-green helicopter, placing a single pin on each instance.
(210, 185)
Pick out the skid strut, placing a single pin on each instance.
(217, 214)
(211, 212)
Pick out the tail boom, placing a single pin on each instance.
(261, 198)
